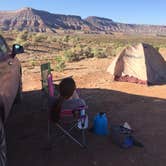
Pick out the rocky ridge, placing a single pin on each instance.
(42, 21)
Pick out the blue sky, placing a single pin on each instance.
(126, 11)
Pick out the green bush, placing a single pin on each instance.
(24, 35)
(99, 53)
(74, 40)
(109, 51)
(39, 37)
(70, 56)
(79, 52)
(52, 39)
(66, 38)
(86, 53)
(60, 63)
(22, 38)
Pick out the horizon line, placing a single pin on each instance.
(27, 7)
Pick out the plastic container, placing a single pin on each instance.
(121, 136)
(128, 142)
(100, 125)
(50, 85)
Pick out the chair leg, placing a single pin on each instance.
(49, 130)
(69, 135)
(83, 138)
(44, 102)
(73, 127)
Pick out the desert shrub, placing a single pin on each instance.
(60, 63)
(33, 63)
(23, 35)
(66, 38)
(109, 51)
(87, 52)
(15, 31)
(39, 37)
(52, 39)
(78, 49)
(77, 39)
(114, 51)
(77, 53)
(70, 55)
(74, 40)
(25, 44)
(118, 50)
(99, 53)
(23, 39)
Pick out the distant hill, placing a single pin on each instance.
(42, 21)
(105, 24)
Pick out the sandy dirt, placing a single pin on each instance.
(144, 108)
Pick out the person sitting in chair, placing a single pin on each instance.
(68, 98)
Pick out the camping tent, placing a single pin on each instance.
(140, 64)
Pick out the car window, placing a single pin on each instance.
(3, 47)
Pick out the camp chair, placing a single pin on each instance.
(74, 118)
(45, 71)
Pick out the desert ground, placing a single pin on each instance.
(143, 107)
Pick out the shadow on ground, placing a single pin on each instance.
(27, 132)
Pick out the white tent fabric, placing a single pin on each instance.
(141, 61)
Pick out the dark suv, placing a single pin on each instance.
(10, 87)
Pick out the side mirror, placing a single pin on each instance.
(17, 49)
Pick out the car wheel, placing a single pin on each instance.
(18, 98)
(3, 148)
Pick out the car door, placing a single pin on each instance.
(9, 76)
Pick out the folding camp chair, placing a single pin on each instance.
(75, 118)
(45, 71)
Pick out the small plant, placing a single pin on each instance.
(87, 52)
(22, 38)
(23, 35)
(51, 39)
(39, 37)
(33, 63)
(74, 40)
(60, 63)
(99, 53)
(66, 38)
(70, 55)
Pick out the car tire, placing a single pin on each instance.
(18, 98)
(3, 149)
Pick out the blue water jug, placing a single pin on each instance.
(100, 125)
